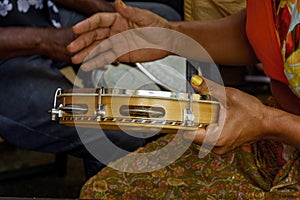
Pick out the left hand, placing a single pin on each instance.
(53, 43)
(241, 118)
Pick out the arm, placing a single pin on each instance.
(20, 41)
(223, 39)
(50, 42)
(88, 7)
(283, 127)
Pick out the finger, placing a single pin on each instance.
(98, 20)
(117, 44)
(199, 84)
(139, 16)
(195, 136)
(208, 136)
(209, 143)
(99, 61)
(205, 86)
(92, 51)
(87, 39)
(83, 54)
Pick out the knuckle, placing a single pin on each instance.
(232, 95)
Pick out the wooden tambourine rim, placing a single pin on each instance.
(132, 123)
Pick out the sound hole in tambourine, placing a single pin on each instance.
(142, 111)
(75, 108)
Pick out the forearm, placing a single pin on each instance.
(283, 127)
(224, 39)
(88, 7)
(19, 41)
(26, 41)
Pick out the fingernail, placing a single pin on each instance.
(123, 4)
(196, 80)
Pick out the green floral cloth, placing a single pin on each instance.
(264, 170)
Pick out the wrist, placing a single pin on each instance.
(272, 121)
(175, 26)
(40, 41)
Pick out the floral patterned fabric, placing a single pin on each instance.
(287, 25)
(249, 172)
(29, 13)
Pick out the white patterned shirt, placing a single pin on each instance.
(39, 13)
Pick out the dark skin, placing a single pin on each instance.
(49, 42)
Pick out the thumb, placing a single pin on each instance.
(195, 136)
(127, 12)
(138, 16)
(205, 86)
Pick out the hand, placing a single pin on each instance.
(104, 25)
(241, 118)
(54, 43)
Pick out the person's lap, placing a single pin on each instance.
(236, 175)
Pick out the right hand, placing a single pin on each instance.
(101, 26)
(242, 119)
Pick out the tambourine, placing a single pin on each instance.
(133, 110)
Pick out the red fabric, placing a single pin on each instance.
(260, 29)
